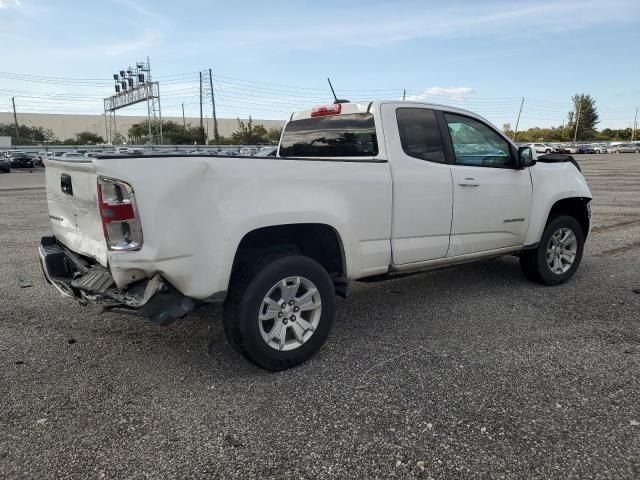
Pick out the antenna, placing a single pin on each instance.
(337, 100)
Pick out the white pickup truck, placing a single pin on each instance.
(356, 190)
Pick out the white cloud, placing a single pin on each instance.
(452, 93)
(389, 23)
(4, 4)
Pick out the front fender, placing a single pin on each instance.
(552, 182)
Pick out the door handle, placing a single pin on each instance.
(468, 182)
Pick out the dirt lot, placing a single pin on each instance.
(465, 372)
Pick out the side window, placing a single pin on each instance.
(475, 144)
(419, 134)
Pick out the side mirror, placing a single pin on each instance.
(526, 157)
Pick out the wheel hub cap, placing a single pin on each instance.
(290, 313)
(562, 250)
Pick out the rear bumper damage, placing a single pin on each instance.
(75, 277)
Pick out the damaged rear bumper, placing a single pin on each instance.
(75, 277)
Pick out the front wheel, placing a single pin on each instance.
(279, 310)
(559, 252)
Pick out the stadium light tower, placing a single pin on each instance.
(133, 86)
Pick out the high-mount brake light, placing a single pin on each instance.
(120, 221)
(325, 110)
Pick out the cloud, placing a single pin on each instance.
(452, 93)
(390, 23)
(5, 4)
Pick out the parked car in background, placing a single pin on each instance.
(21, 161)
(571, 148)
(586, 149)
(266, 152)
(600, 148)
(72, 155)
(562, 149)
(626, 148)
(248, 151)
(541, 148)
(5, 165)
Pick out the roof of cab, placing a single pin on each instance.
(366, 106)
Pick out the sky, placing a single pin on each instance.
(271, 58)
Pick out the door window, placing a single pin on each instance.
(476, 144)
(419, 134)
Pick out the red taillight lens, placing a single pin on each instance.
(325, 110)
(120, 221)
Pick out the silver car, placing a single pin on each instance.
(626, 148)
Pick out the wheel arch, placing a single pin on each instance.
(576, 207)
(318, 241)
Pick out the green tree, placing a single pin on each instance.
(26, 135)
(87, 138)
(172, 132)
(507, 130)
(584, 116)
(274, 134)
(118, 139)
(249, 134)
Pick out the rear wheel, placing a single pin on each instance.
(559, 253)
(279, 310)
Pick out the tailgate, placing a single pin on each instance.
(72, 199)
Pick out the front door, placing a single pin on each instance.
(491, 196)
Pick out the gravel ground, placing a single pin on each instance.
(468, 372)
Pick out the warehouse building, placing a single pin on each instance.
(67, 125)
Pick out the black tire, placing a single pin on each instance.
(547, 151)
(250, 284)
(534, 262)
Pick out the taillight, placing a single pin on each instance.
(325, 110)
(120, 220)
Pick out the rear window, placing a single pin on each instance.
(352, 135)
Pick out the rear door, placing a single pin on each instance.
(491, 196)
(422, 186)
(72, 200)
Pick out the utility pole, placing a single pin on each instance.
(213, 105)
(575, 135)
(15, 118)
(515, 131)
(404, 93)
(635, 126)
(201, 124)
(184, 122)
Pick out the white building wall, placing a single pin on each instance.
(66, 126)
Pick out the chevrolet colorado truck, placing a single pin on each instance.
(363, 190)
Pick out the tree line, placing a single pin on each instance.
(173, 133)
(580, 124)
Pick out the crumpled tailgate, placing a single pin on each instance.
(72, 200)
